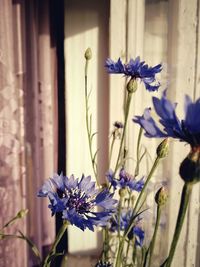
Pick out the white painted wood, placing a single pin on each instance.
(160, 31)
(86, 25)
(182, 56)
(117, 47)
(147, 37)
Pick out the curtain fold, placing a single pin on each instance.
(28, 123)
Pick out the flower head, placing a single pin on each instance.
(118, 125)
(187, 129)
(77, 200)
(125, 180)
(136, 69)
(136, 232)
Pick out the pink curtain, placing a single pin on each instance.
(28, 123)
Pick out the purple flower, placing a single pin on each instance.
(187, 130)
(77, 200)
(136, 232)
(118, 125)
(128, 180)
(113, 181)
(125, 180)
(136, 69)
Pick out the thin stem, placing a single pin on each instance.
(119, 252)
(105, 245)
(186, 193)
(111, 149)
(152, 244)
(127, 250)
(88, 125)
(127, 108)
(57, 240)
(29, 242)
(138, 152)
(9, 223)
(19, 215)
(131, 224)
(119, 213)
(155, 164)
(134, 254)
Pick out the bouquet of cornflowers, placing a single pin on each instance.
(117, 206)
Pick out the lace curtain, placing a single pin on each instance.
(28, 119)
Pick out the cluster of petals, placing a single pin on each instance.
(78, 200)
(187, 129)
(125, 180)
(125, 217)
(136, 69)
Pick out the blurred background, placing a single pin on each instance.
(42, 119)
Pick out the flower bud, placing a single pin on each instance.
(163, 148)
(118, 125)
(131, 86)
(22, 213)
(88, 54)
(161, 196)
(190, 167)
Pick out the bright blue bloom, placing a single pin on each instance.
(113, 181)
(128, 180)
(125, 180)
(103, 264)
(187, 130)
(136, 231)
(136, 69)
(77, 200)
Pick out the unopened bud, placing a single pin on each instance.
(118, 125)
(88, 54)
(131, 86)
(22, 213)
(161, 196)
(190, 167)
(163, 148)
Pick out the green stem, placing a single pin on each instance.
(29, 242)
(119, 213)
(186, 193)
(155, 164)
(119, 252)
(138, 152)
(127, 108)
(134, 254)
(60, 234)
(121, 245)
(19, 215)
(127, 251)
(88, 125)
(152, 244)
(105, 256)
(111, 149)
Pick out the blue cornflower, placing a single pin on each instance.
(103, 264)
(125, 180)
(77, 200)
(187, 130)
(113, 181)
(136, 69)
(136, 231)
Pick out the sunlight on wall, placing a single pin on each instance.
(85, 26)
